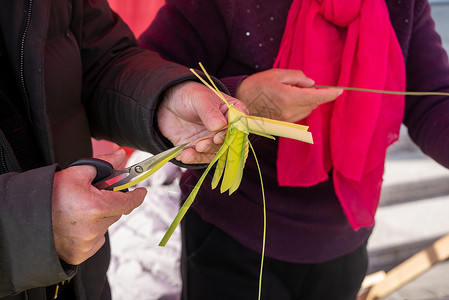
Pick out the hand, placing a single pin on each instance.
(82, 214)
(282, 94)
(191, 111)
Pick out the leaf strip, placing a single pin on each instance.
(217, 92)
(219, 168)
(232, 159)
(264, 221)
(383, 91)
(190, 198)
(279, 128)
(239, 148)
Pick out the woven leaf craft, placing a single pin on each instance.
(231, 157)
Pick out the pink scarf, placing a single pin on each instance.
(346, 43)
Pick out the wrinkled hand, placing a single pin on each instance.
(191, 111)
(282, 94)
(81, 213)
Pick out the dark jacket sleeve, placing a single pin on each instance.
(27, 253)
(427, 118)
(122, 86)
(123, 83)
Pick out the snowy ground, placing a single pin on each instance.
(140, 269)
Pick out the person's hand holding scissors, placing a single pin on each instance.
(82, 213)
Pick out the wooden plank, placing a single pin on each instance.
(373, 279)
(409, 269)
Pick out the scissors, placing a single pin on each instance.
(119, 180)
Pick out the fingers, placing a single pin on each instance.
(219, 137)
(77, 253)
(118, 203)
(297, 103)
(79, 234)
(96, 245)
(191, 156)
(191, 111)
(313, 96)
(310, 96)
(202, 152)
(209, 110)
(294, 77)
(87, 173)
(81, 214)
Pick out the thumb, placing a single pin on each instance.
(209, 111)
(297, 78)
(116, 158)
(118, 203)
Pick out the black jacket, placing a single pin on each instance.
(81, 74)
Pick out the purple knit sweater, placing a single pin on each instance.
(234, 39)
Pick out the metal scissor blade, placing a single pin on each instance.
(149, 163)
(116, 175)
(140, 169)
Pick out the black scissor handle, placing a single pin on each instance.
(104, 169)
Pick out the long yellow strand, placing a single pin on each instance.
(383, 91)
(264, 221)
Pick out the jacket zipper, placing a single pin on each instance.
(3, 167)
(5, 150)
(22, 58)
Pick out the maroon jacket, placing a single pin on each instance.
(237, 38)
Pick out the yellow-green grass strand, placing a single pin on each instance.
(219, 168)
(190, 199)
(241, 166)
(237, 155)
(213, 84)
(238, 120)
(406, 93)
(210, 87)
(264, 220)
(268, 136)
(221, 163)
(232, 159)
